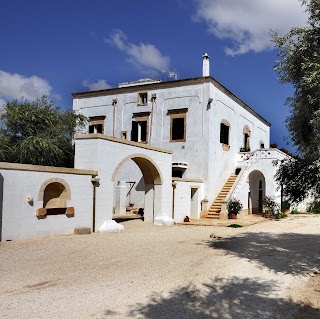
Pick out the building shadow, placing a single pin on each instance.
(232, 298)
(288, 253)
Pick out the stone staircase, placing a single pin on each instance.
(215, 208)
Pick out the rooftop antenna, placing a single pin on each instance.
(173, 74)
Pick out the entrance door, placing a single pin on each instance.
(194, 203)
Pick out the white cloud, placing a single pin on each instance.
(247, 23)
(142, 54)
(16, 86)
(96, 86)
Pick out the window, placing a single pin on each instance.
(139, 132)
(246, 140)
(142, 98)
(96, 125)
(224, 133)
(177, 172)
(261, 144)
(124, 135)
(178, 125)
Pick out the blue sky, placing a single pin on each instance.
(56, 47)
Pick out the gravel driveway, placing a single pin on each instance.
(267, 270)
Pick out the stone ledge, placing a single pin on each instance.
(121, 141)
(82, 231)
(46, 169)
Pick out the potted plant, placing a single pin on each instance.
(234, 206)
(270, 207)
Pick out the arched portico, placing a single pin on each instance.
(108, 155)
(152, 180)
(257, 190)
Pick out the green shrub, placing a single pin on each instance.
(234, 206)
(281, 215)
(285, 205)
(235, 226)
(314, 207)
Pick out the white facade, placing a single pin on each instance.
(145, 112)
(166, 147)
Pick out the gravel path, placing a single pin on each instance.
(266, 270)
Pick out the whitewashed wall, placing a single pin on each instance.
(105, 154)
(19, 220)
(263, 162)
(183, 204)
(202, 149)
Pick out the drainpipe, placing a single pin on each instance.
(114, 103)
(153, 98)
(95, 183)
(174, 185)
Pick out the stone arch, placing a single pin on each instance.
(257, 190)
(225, 122)
(246, 130)
(153, 184)
(150, 170)
(56, 185)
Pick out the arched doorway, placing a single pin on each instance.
(257, 189)
(151, 184)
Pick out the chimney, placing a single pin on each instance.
(205, 65)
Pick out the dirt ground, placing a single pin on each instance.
(267, 270)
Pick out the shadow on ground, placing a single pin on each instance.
(286, 253)
(232, 298)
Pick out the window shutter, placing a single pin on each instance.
(134, 132)
(143, 131)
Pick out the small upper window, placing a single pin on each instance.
(96, 125)
(142, 98)
(178, 125)
(224, 133)
(246, 140)
(124, 135)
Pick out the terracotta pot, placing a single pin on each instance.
(266, 215)
(233, 216)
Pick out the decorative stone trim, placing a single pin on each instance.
(150, 170)
(42, 212)
(54, 180)
(191, 180)
(70, 212)
(225, 147)
(82, 231)
(120, 140)
(47, 169)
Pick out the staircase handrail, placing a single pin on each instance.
(235, 184)
(279, 155)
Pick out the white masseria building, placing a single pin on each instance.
(177, 148)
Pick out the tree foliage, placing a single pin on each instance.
(299, 65)
(38, 133)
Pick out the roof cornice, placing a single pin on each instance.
(170, 84)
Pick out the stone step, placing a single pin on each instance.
(215, 208)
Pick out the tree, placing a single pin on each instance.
(38, 133)
(299, 65)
